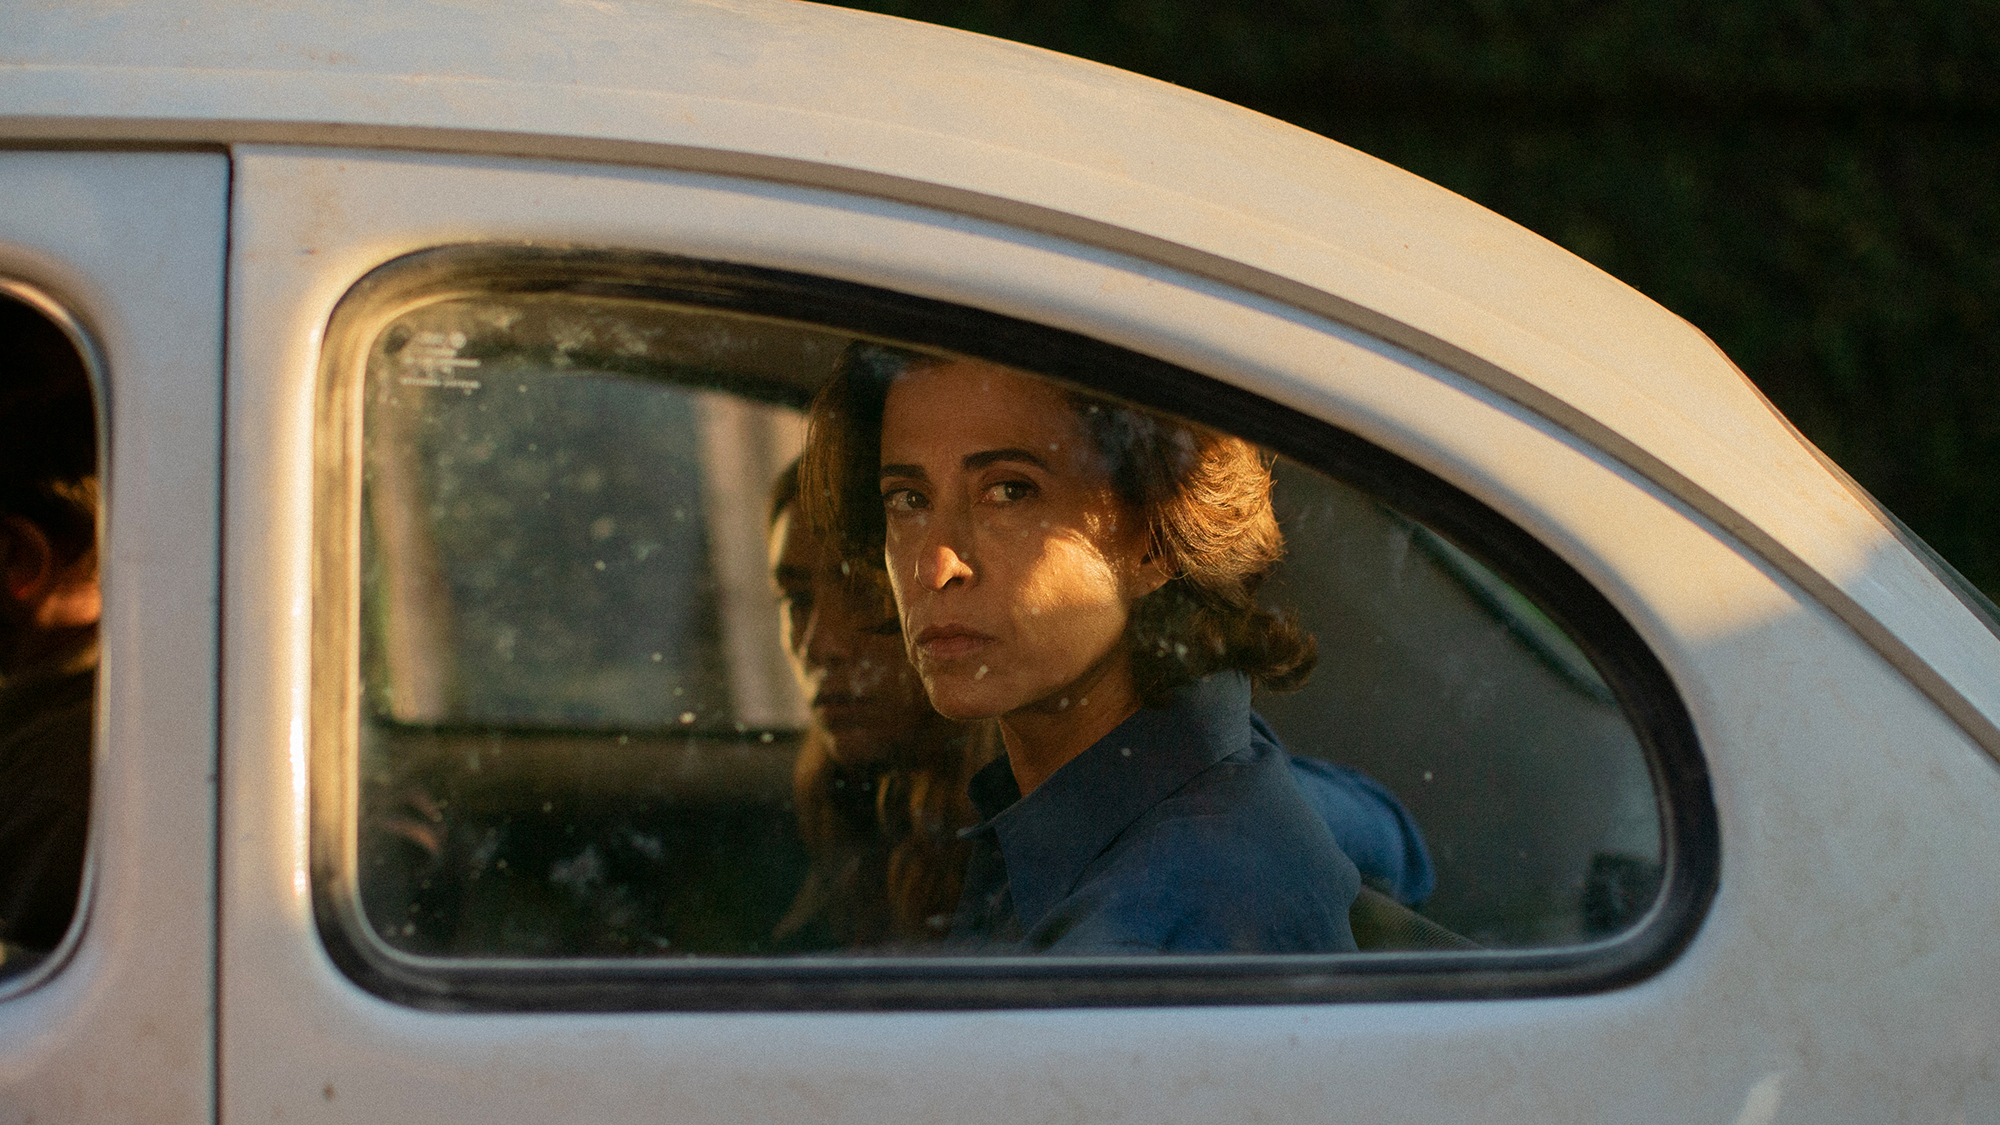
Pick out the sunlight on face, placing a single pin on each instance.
(1014, 563)
(845, 646)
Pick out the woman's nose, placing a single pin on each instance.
(943, 563)
(829, 634)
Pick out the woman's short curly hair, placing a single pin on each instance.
(1205, 498)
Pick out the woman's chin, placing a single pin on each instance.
(861, 744)
(968, 698)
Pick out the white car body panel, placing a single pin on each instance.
(130, 245)
(1845, 971)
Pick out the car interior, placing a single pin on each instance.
(573, 725)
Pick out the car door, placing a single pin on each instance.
(127, 249)
(1817, 828)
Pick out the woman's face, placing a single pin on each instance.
(846, 647)
(1014, 563)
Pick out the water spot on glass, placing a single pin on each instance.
(1427, 775)
(1124, 751)
(767, 736)
(687, 717)
(599, 564)
(548, 806)
(579, 871)
(647, 845)
(603, 527)
(981, 674)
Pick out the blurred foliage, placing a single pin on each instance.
(1814, 183)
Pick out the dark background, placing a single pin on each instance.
(1810, 182)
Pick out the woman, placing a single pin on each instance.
(1083, 573)
(880, 780)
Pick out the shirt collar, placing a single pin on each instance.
(1048, 837)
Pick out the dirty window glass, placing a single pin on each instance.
(49, 615)
(620, 697)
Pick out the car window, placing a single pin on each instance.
(635, 690)
(49, 611)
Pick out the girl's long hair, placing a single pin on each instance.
(886, 862)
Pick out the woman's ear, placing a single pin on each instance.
(27, 560)
(48, 593)
(1151, 574)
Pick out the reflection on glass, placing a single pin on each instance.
(1439, 679)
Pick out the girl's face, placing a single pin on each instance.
(845, 646)
(1014, 563)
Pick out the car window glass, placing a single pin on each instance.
(49, 611)
(593, 723)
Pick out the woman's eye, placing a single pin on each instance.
(1008, 492)
(904, 500)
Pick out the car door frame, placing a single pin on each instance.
(128, 247)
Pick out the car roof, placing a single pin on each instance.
(807, 94)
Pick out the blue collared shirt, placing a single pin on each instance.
(1368, 823)
(1181, 831)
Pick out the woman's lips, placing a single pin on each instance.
(950, 642)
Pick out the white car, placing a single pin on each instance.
(445, 738)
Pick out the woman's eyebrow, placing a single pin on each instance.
(973, 461)
(994, 456)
